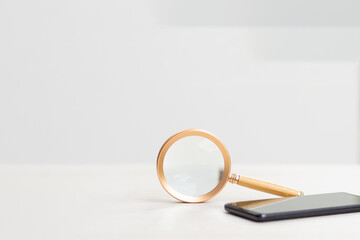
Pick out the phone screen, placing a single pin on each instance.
(300, 203)
(291, 207)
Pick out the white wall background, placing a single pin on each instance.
(109, 81)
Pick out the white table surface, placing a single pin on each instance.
(128, 202)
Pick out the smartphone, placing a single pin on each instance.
(295, 207)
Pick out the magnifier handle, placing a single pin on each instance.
(264, 186)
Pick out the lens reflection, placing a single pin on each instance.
(193, 166)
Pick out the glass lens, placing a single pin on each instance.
(193, 166)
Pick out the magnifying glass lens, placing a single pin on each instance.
(193, 165)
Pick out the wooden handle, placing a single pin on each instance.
(264, 186)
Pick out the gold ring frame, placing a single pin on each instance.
(170, 142)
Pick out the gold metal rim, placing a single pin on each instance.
(167, 145)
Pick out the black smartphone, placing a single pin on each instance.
(295, 207)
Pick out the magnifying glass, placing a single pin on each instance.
(194, 166)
